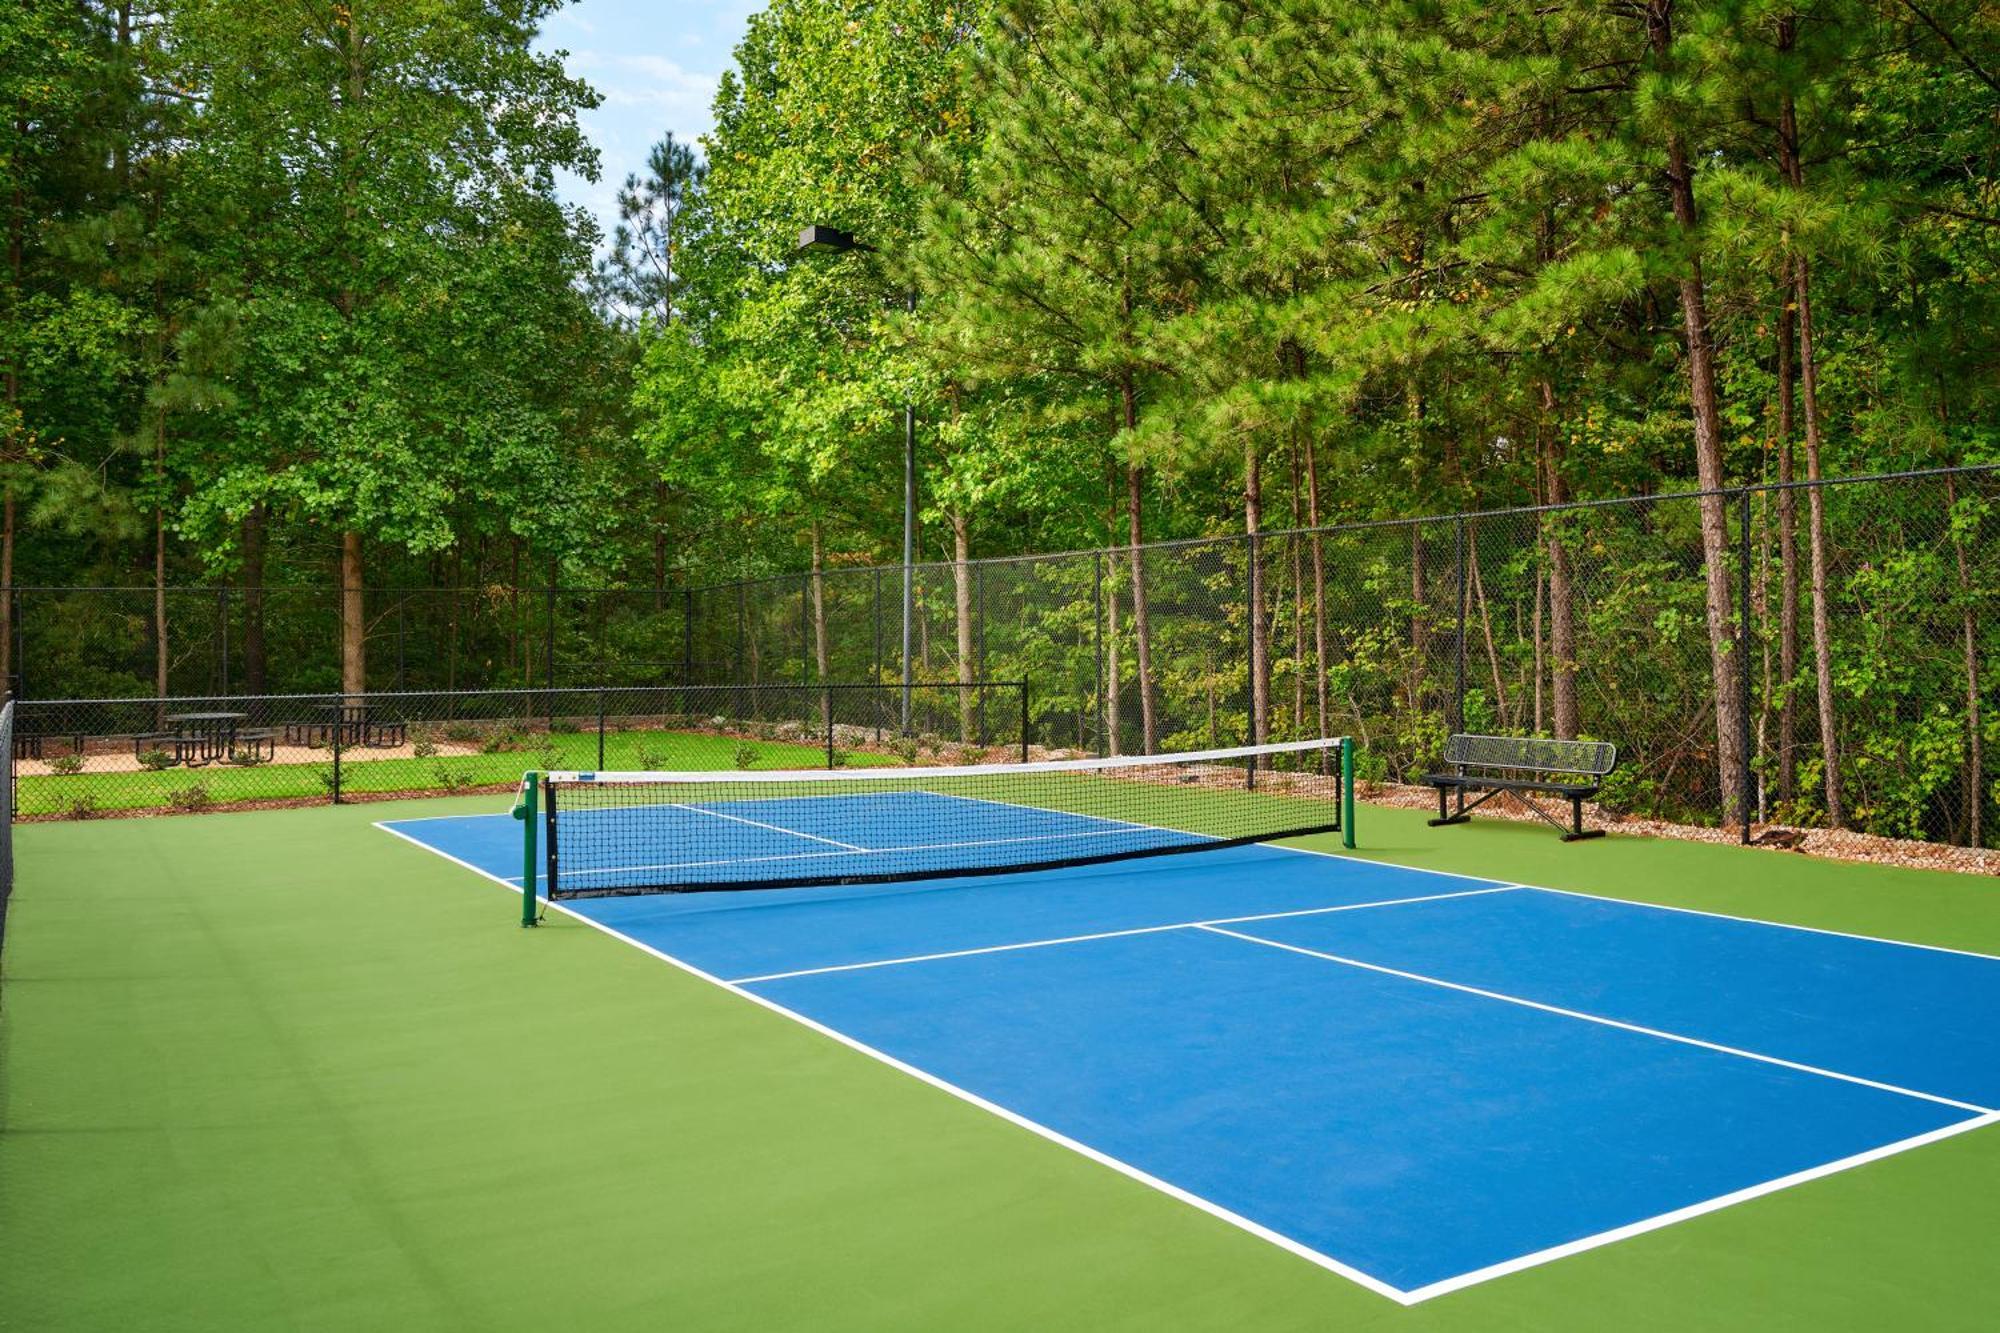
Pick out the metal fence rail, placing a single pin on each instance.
(84, 758)
(1869, 704)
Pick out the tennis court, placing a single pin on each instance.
(298, 1068)
(1417, 1080)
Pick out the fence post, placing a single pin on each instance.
(826, 711)
(600, 728)
(339, 732)
(979, 646)
(18, 686)
(687, 636)
(1743, 635)
(1097, 635)
(1024, 721)
(549, 647)
(1458, 690)
(222, 630)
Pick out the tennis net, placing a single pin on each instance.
(606, 834)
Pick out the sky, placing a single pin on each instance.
(656, 63)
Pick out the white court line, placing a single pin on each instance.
(1111, 935)
(775, 828)
(1756, 921)
(1620, 1024)
(1216, 1210)
(1640, 902)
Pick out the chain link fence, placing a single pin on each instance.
(1838, 671)
(84, 758)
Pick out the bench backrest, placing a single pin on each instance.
(1533, 754)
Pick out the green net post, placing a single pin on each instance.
(524, 810)
(1347, 794)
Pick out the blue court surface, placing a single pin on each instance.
(1417, 1080)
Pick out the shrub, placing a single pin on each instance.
(905, 748)
(425, 748)
(551, 756)
(452, 780)
(66, 764)
(248, 758)
(325, 775)
(746, 754)
(156, 761)
(190, 800)
(504, 742)
(80, 807)
(839, 757)
(654, 761)
(463, 733)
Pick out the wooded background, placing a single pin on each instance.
(292, 309)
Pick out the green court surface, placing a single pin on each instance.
(280, 1070)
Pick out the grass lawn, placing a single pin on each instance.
(363, 771)
(277, 1069)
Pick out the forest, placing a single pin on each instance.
(294, 318)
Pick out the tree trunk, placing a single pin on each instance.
(255, 668)
(1540, 665)
(353, 628)
(820, 651)
(1298, 604)
(1260, 642)
(1724, 640)
(17, 223)
(961, 570)
(1319, 584)
(1500, 708)
(1113, 724)
(159, 603)
(1142, 625)
(1968, 625)
(1791, 166)
(1788, 562)
(1822, 620)
(1420, 634)
(7, 591)
(1562, 583)
(660, 546)
(160, 556)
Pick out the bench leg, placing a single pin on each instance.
(1577, 832)
(1444, 814)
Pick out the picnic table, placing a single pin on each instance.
(348, 724)
(204, 737)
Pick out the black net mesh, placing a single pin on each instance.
(628, 833)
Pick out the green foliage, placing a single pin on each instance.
(449, 779)
(156, 761)
(66, 764)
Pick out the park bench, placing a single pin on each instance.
(1524, 765)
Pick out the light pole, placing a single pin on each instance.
(832, 239)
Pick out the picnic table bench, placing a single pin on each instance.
(203, 738)
(348, 725)
(1573, 770)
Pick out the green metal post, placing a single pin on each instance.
(1347, 794)
(524, 810)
